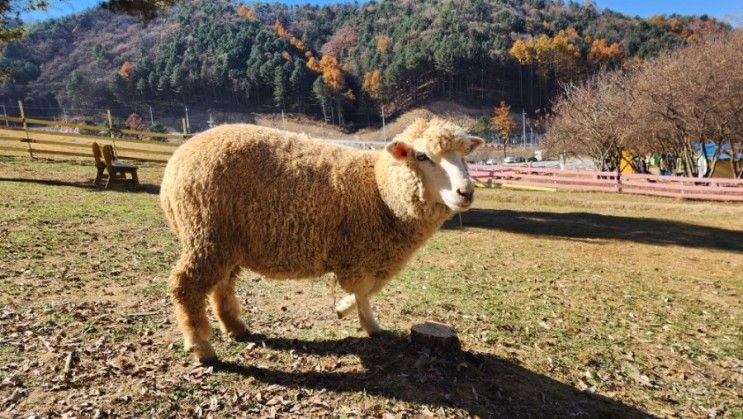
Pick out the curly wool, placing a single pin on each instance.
(285, 206)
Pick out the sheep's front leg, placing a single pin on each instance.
(366, 315)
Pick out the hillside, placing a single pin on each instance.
(344, 63)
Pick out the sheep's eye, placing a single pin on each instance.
(421, 157)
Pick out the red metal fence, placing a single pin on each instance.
(716, 189)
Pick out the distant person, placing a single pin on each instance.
(702, 166)
(663, 166)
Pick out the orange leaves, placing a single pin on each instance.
(314, 65)
(523, 52)
(688, 33)
(657, 20)
(280, 30)
(126, 71)
(247, 13)
(373, 84)
(332, 73)
(602, 54)
(675, 25)
(297, 43)
(383, 43)
(502, 121)
(558, 52)
(287, 56)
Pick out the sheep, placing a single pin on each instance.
(288, 207)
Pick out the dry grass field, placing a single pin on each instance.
(567, 304)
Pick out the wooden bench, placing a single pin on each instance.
(100, 165)
(116, 170)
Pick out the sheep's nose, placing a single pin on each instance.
(468, 193)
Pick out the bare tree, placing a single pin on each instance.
(675, 104)
(593, 118)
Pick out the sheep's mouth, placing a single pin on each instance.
(460, 206)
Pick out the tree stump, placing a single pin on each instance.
(434, 335)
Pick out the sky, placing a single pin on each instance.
(728, 10)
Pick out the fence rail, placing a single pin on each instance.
(714, 189)
(35, 141)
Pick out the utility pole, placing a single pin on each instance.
(64, 113)
(188, 122)
(531, 136)
(5, 114)
(283, 120)
(384, 128)
(523, 126)
(152, 119)
(211, 123)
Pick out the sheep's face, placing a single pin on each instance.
(441, 167)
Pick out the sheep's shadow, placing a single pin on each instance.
(583, 225)
(482, 384)
(87, 184)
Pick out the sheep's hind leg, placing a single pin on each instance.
(226, 306)
(345, 306)
(190, 281)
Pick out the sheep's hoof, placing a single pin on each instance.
(203, 353)
(374, 331)
(345, 306)
(211, 361)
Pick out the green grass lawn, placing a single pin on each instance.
(566, 304)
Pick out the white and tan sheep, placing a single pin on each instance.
(285, 206)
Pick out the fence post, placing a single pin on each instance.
(25, 129)
(111, 129)
(619, 180)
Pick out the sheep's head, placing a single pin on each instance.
(433, 154)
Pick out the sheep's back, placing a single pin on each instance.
(270, 198)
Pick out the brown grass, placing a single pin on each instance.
(566, 304)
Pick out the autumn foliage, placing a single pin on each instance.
(670, 105)
(558, 53)
(330, 70)
(502, 121)
(603, 54)
(247, 13)
(383, 43)
(282, 32)
(373, 84)
(135, 122)
(126, 71)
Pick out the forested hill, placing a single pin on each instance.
(344, 62)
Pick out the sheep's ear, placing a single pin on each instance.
(399, 150)
(473, 143)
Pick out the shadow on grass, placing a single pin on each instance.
(143, 188)
(482, 384)
(583, 225)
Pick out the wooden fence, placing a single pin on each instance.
(25, 137)
(33, 136)
(715, 189)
